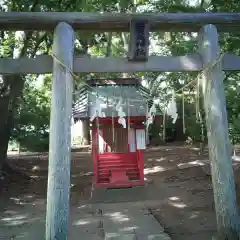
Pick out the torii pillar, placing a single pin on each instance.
(60, 135)
(218, 137)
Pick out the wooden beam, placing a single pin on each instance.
(154, 64)
(122, 81)
(218, 137)
(43, 64)
(231, 62)
(39, 65)
(60, 136)
(115, 22)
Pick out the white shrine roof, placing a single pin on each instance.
(134, 98)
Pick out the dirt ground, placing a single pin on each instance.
(180, 192)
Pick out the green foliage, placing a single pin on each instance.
(233, 107)
(32, 123)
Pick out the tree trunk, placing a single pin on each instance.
(5, 136)
(10, 92)
(9, 100)
(85, 132)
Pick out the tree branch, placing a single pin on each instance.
(48, 44)
(32, 9)
(109, 45)
(28, 36)
(228, 75)
(40, 39)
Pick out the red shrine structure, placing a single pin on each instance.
(117, 150)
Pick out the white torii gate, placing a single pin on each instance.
(207, 60)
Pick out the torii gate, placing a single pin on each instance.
(212, 88)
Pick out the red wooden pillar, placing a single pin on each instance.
(140, 156)
(95, 152)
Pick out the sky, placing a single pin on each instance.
(193, 2)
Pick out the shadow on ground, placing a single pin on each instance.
(178, 193)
